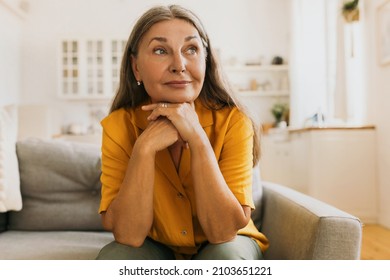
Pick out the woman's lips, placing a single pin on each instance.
(178, 84)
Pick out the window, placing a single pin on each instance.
(326, 64)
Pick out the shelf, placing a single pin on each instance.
(256, 68)
(264, 93)
(259, 87)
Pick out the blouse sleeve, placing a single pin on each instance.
(115, 157)
(236, 159)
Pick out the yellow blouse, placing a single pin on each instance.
(175, 221)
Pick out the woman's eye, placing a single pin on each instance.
(159, 51)
(192, 50)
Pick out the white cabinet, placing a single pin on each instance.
(89, 69)
(275, 162)
(337, 166)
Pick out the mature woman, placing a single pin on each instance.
(177, 153)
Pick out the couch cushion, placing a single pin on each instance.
(60, 185)
(52, 245)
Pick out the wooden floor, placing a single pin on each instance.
(376, 243)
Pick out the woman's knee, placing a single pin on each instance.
(150, 250)
(241, 248)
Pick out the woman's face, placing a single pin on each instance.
(171, 62)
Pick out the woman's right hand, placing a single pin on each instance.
(159, 135)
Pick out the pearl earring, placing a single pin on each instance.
(139, 83)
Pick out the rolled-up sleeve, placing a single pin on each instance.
(115, 158)
(236, 158)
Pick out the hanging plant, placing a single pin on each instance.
(350, 11)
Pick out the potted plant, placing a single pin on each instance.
(280, 113)
(350, 11)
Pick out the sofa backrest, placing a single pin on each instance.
(3, 222)
(60, 186)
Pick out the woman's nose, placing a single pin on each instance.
(178, 64)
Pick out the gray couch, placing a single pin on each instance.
(61, 193)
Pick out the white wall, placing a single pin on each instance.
(10, 38)
(244, 29)
(378, 109)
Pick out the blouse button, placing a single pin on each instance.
(183, 232)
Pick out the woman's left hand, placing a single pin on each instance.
(182, 116)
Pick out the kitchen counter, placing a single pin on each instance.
(293, 130)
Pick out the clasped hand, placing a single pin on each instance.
(170, 123)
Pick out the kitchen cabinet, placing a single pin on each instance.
(335, 165)
(89, 68)
(275, 161)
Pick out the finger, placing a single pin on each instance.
(153, 106)
(149, 107)
(163, 109)
(161, 134)
(156, 113)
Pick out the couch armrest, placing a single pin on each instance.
(300, 227)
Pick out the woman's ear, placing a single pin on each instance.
(134, 66)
